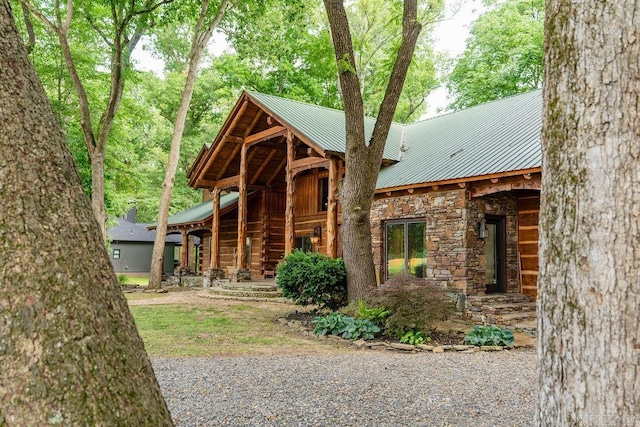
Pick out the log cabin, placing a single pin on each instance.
(456, 202)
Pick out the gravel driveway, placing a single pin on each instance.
(364, 388)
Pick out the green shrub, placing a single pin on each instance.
(415, 338)
(313, 278)
(122, 279)
(344, 326)
(414, 304)
(490, 335)
(378, 315)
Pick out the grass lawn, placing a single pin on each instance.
(135, 279)
(218, 328)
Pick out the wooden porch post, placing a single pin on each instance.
(242, 209)
(332, 211)
(184, 251)
(289, 228)
(215, 230)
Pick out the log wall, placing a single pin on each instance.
(528, 213)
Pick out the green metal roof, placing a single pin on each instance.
(202, 211)
(496, 137)
(324, 126)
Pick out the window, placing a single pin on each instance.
(405, 248)
(323, 194)
(116, 254)
(304, 244)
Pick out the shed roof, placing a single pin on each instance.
(126, 231)
(202, 211)
(324, 126)
(492, 138)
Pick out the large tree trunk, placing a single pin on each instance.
(363, 158)
(97, 191)
(69, 350)
(198, 44)
(589, 283)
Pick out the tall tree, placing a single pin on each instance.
(503, 55)
(69, 350)
(120, 24)
(363, 156)
(205, 25)
(589, 282)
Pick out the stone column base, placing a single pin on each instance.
(210, 275)
(240, 275)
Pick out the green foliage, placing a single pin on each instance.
(313, 278)
(415, 338)
(503, 55)
(122, 279)
(345, 326)
(377, 315)
(489, 335)
(414, 304)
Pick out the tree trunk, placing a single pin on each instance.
(69, 350)
(198, 44)
(97, 191)
(363, 158)
(589, 282)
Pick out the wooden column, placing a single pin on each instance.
(289, 228)
(242, 209)
(184, 251)
(332, 211)
(215, 230)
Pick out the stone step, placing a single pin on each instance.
(512, 318)
(500, 309)
(492, 299)
(244, 293)
(254, 287)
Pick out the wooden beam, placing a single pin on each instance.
(228, 161)
(184, 250)
(332, 210)
(232, 181)
(527, 176)
(308, 163)
(263, 165)
(410, 190)
(211, 159)
(289, 227)
(264, 135)
(207, 183)
(242, 210)
(233, 139)
(252, 124)
(462, 184)
(215, 230)
(495, 180)
(276, 171)
(483, 190)
(435, 187)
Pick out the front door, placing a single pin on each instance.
(494, 251)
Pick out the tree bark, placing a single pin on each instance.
(589, 280)
(69, 350)
(198, 44)
(363, 158)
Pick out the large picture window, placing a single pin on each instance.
(405, 248)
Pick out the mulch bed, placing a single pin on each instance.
(438, 337)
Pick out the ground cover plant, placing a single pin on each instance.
(313, 278)
(489, 335)
(345, 326)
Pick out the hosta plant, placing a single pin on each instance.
(490, 335)
(344, 326)
(414, 338)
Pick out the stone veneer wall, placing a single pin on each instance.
(455, 255)
(496, 204)
(447, 240)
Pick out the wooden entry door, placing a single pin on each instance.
(495, 254)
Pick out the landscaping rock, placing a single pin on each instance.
(425, 347)
(438, 349)
(162, 291)
(404, 347)
(360, 344)
(461, 347)
(491, 348)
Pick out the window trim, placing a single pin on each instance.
(116, 253)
